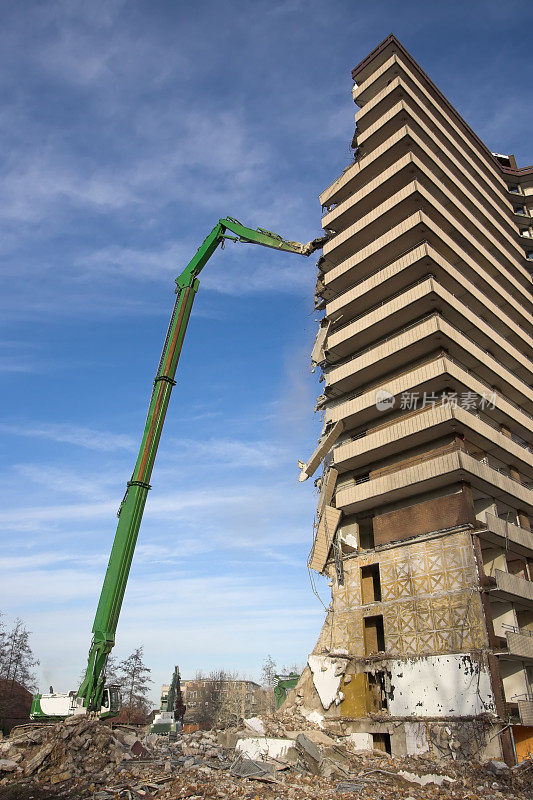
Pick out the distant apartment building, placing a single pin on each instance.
(426, 348)
(220, 701)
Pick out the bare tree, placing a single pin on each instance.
(219, 700)
(230, 702)
(111, 676)
(16, 676)
(134, 678)
(16, 655)
(111, 671)
(266, 698)
(2, 637)
(268, 672)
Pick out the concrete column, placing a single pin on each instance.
(505, 430)
(499, 700)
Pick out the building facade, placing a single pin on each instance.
(425, 497)
(220, 701)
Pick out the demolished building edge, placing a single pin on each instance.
(427, 645)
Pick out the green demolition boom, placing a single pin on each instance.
(93, 696)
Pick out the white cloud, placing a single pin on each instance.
(237, 273)
(63, 480)
(234, 453)
(89, 438)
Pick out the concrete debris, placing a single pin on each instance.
(498, 767)
(315, 717)
(263, 748)
(423, 780)
(255, 724)
(360, 741)
(247, 768)
(316, 244)
(311, 753)
(348, 786)
(90, 760)
(329, 436)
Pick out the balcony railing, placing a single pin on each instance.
(525, 710)
(345, 397)
(514, 587)
(519, 642)
(510, 533)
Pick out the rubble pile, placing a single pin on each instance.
(90, 760)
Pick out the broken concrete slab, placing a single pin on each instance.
(498, 767)
(424, 780)
(315, 717)
(327, 440)
(416, 738)
(349, 786)
(312, 754)
(38, 759)
(244, 767)
(255, 725)
(327, 673)
(360, 741)
(261, 748)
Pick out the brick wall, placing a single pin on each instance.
(432, 515)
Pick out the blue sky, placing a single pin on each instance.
(128, 128)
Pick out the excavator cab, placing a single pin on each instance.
(54, 707)
(111, 702)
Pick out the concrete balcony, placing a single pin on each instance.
(484, 299)
(445, 188)
(519, 645)
(371, 194)
(377, 81)
(427, 475)
(525, 711)
(397, 243)
(419, 107)
(437, 158)
(432, 376)
(366, 168)
(416, 342)
(427, 425)
(377, 221)
(420, 195)
(513, 588)
(392, 245)
(420, 300)
(505, 534)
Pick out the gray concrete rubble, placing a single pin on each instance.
(293, 760)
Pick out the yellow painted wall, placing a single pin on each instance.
(355, 693)
(523, 739)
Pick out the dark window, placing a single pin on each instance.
(366, 533)
(374, 635)
(382, 742)
(370, 584)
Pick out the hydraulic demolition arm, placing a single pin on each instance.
(93, 695)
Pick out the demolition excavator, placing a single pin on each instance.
(169, 720)
(94, 697)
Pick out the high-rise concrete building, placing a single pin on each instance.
(426, 347)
